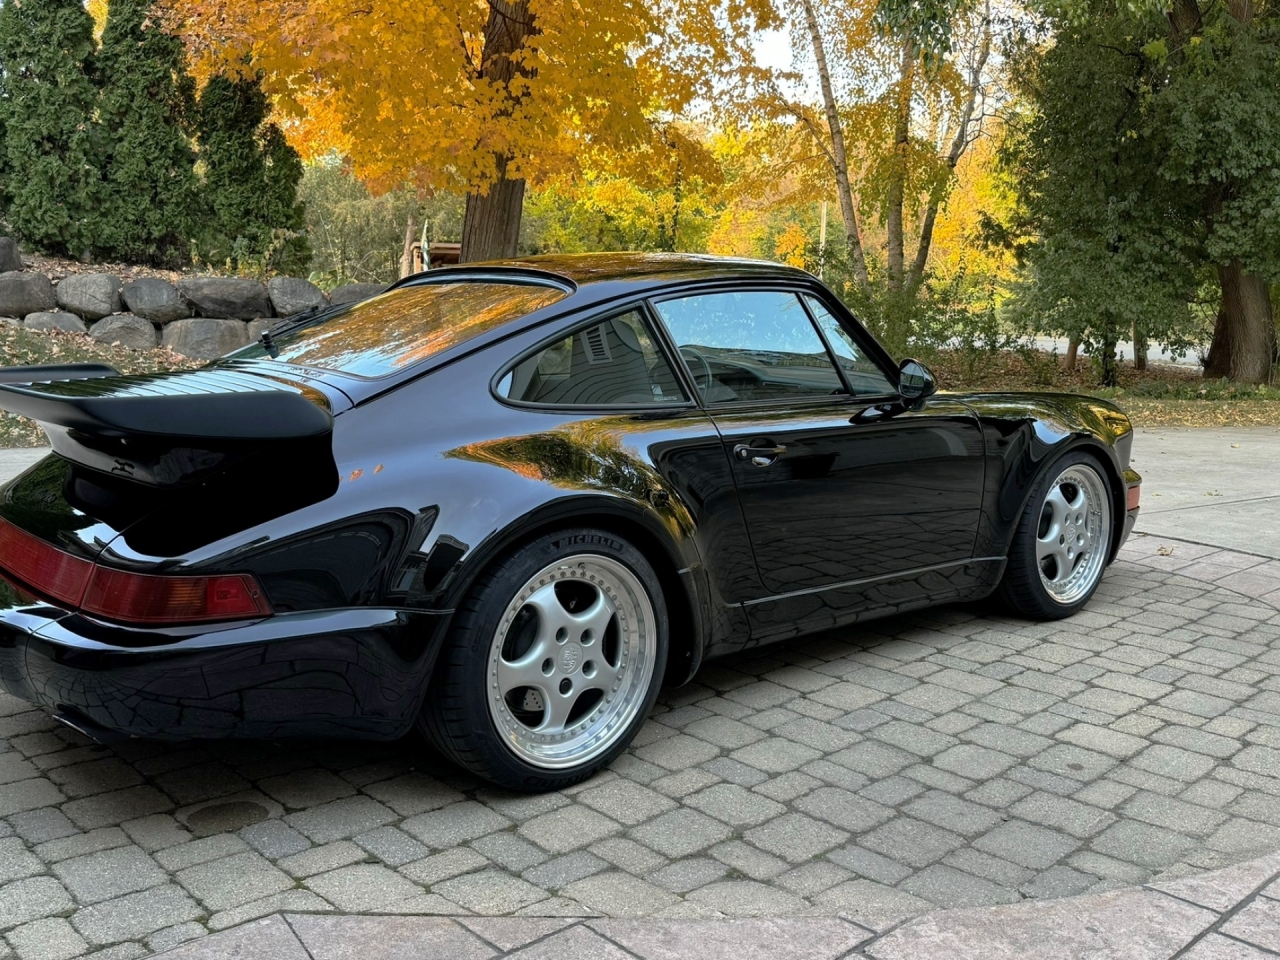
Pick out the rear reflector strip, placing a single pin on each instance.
(135, 598)
(122, 596)
(1135, 494)
(56, 574)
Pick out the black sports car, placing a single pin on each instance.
(507, 502)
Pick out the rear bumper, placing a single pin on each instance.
(355, 673)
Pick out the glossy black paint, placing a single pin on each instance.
(877, 505)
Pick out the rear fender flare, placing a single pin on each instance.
(675, 559)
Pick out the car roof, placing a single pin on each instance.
(647, 269)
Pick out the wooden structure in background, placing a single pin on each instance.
(439, 254)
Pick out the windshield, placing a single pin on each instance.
(401, 327)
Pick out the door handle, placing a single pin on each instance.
(758, 456)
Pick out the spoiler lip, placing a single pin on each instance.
(270, 415)
(57, 371)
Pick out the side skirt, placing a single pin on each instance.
(809, 611)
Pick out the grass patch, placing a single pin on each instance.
(1161, 395)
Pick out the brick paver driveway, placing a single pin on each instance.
(949, 758)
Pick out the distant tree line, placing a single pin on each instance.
(108, 151)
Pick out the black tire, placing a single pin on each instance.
(1022, 589)
(457, 717)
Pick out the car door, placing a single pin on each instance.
(852, 501)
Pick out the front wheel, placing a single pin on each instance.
(1060, 548)
(553, 662)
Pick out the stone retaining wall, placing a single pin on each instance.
(199, 317)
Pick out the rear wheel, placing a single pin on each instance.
(553, 663)
(1060, 549)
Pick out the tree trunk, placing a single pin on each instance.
(839, 159)
(406, 254)
(1073, 354)
(491, 224)
(1110, 376)
(898, 173)
(959, 144)
(1139, 347)
(1244, 338)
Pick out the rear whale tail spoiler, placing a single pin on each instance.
(169, 429)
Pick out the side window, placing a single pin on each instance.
(750, 346)
(609, 362)
(864, 376)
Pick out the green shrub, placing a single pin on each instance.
(252, 220)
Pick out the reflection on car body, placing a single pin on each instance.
(506, 502)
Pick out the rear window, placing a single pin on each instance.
(380, 336)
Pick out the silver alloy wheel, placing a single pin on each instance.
(571, 662)
(1074, 535)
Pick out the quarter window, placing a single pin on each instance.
(750, 345)
(866, 379)
(612, 362)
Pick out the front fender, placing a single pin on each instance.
(1024, 433)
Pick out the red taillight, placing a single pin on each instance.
(57, 574)
(128, 597)
(137, 598)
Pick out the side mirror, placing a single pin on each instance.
(915, 381)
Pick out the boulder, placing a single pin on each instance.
(10, 256)
(55, 320)
(258, 327)
(126, 329)
(205, 338)
(218, 297)
(23, 293)
(11, 321)
(90, 295)
(155, 300)
(354, 292)
(289, 295)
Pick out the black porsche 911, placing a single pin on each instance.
(507, 502)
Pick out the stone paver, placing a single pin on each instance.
(946, 759)
(1174, 922)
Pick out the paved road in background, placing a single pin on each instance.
(1218, 486)
(14, 461)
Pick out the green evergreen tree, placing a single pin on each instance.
(285, 212)
(1150, 169)
(47, 102)
(147, 96)
(251, 178)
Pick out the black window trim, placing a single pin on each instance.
(800, 291)
(611, 311)
(858, 341)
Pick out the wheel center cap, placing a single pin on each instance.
(570, 657)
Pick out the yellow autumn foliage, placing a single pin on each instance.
(397, 86)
